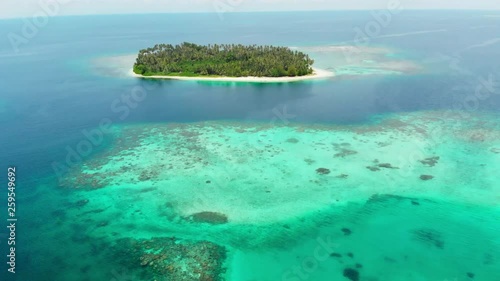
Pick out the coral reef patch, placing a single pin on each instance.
(431, 161)
(430, 237)
(345, 152)
(209, 217)
(323, 171)
(351, 274)
(426, 177)
(168, 259)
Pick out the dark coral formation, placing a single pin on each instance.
(148, 175)
(345, 152)
(386, 198)
(60, 214)
(389, 259)
(387, 166)
(351, 274)
(346, 231)
(323, 171)
(147, 189)
(309, 161)
(373, 168)
(292, 140)
(95, 211)
(430, 237)
(488, 259)
(81, 203)
(431, 161)
(168, 259)
(381, 198)
(209, 217)
(426, 177)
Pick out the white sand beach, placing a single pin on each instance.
(317, 74)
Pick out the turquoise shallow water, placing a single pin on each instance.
(388, 171)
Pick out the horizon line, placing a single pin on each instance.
(256, 11)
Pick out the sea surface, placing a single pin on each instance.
(389, 171)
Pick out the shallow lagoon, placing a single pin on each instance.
(270, 193)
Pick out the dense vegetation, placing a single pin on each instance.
(229, 60)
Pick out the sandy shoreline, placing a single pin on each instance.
(346, 60)
(317, 74)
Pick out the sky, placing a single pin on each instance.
(30, 8)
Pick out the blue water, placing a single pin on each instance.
(49, 92)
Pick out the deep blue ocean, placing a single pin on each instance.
(49, 91)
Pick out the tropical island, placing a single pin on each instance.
(228, 62)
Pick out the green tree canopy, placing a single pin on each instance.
(188, 59)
